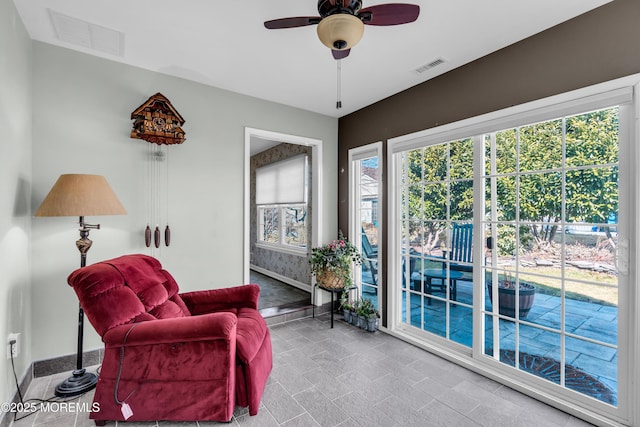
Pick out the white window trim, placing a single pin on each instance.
(620, 91)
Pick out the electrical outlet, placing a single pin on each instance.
(13, 350)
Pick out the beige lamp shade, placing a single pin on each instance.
(340, 31)
(80, 195)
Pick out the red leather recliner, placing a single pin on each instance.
(170, 356)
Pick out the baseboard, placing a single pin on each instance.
(44, 368)
(284, 279)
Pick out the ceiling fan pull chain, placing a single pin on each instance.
(339, 79)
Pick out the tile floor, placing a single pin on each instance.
(347, 377)
(274, 293)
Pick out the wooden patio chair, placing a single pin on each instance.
(371, 257)
(460, 255)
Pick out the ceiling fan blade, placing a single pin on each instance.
(297, 21)
(340, 54)
(389, 14)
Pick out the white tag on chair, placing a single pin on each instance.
(126, 411)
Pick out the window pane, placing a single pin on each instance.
(506, 151)
(414, 164)
(462, 200)
(461, 155)
(592, 194)
(596, 363)
(506, 194)
(435, 201)
(269, 230)
(592, 138)
(435, 319)
(435, 163)
(541, 200)
(295, 228)
(541, 146)
(461, 324)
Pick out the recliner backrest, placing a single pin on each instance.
(128, 289)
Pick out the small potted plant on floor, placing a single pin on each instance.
(346, 306)
(331, 263)
(355, 308)
(368, 315)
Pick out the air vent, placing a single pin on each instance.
(82, 33)
(430, 65)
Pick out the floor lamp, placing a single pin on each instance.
(80, 195)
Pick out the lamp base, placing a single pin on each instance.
(80, 382)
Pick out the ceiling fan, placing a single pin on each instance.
(341, 22)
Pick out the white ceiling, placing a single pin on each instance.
(224, 43)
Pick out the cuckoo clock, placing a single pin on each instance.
(157, 122)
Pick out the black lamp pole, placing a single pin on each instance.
(81, 381)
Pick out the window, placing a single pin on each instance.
(544, 197)
(281, 197)
(283, 226)
(550, 189)
(364, 218)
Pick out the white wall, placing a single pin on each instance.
(15, 184)
(81, 124)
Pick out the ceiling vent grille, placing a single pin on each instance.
(85, 34)
(430, 65)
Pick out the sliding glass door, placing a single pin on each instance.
(551, 209)
(437, 230)
(510, 246)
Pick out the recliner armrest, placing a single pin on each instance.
(200, 302)
(183, 329)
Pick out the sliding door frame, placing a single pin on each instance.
(623, 92)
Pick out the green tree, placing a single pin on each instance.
(440, 188)
(591, 192)
(528, 176)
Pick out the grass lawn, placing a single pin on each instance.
(602, 290)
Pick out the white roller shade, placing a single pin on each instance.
(283, 182)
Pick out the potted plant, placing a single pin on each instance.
(362, 314)
(331, 263)
(346, 306)
(507, 295)
(368, 315)
(355, 320)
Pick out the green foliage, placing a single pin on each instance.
(345, 303)
(366, 308)
(530, 189)
(507, 243)
(337, 256)
(440, 178)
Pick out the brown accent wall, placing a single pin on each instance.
(598, 46)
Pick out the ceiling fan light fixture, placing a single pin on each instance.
(340, 31)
